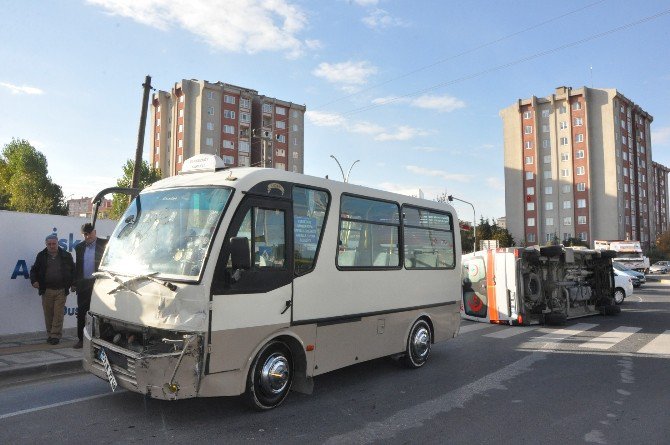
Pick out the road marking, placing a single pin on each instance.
(419, 415)
(510, 331)
(658, 346)
(474, 327)
(609, 339)
(552, 339)
(53, 405)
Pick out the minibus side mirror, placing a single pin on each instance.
(240, 255)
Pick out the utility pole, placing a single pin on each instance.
(140, 134)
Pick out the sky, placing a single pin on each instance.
(410, 89)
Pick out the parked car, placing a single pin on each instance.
(638, 277)
(623, 286)
(660, 267)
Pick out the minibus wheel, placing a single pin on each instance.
(270, 376)
(418, 344)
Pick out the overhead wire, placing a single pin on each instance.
(509, 64)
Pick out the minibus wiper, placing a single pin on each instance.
(115, 278)
(149, 277)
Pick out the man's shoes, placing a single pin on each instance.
(78, 345)
(53, 340)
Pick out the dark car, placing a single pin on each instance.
(638, 278)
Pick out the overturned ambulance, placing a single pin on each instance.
(522, 286)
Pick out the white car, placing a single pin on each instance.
(623, 286)
(660, 267)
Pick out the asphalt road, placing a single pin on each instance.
(598, 379)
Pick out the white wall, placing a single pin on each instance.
(21, 237)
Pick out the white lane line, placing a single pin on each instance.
(55, 405)
(510, 331)
(552, 339)
(474, 327)
(658, 346)
(609, 339)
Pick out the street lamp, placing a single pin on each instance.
(474, 219)
(345, 178)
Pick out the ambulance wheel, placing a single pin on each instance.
(418, 345)
(270, 377)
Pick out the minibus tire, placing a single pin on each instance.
(418, 344)
(270, 376)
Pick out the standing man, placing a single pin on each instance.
(89, 253)
(53, 274)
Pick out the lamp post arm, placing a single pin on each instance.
(474, 220)
(349, 172)
(338, 164)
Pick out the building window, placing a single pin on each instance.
(228, 114)
(229, 160)
(228, 144)
(529, 175)
(565, 172)
(547, 159)
(295, 155)
(546, 174)
(625, 188)
(581, 203)
(578, 122)
(583, 236)
(209, 142)
(549, 221)
(181, 128)
(530, 191)
(529, 160)
(564, 125)
(545, 143)
(564, 141)
(295, 142)
(625, 171)
(210, 95)
(281, 152)
(528, 144)
(245, 103)
(581, 220)
(530, 222)
(294, 127)
(267, 108)
(530, 206)
(548, 190)
(210, 111)
(281, 138)
(180, 143)
(545, 113)
(566, 188)
(243, 161)
(579, 154)
(527, 114)
(181, 113)
(280, 110)
(565, 156)
(210, 126)
(562, 109)
(229, 99)
(567, 204)
(549, 205)
(531, 237)
(545, 128)
(281, 124)
(243, 146)
(581, 186)
(180, 159)
(580, 170)
(579, 138)
(181, 99)
(567, 221)
(230, 129)
(280, 166)
(528, 129)
(245, 117)
(576, 106)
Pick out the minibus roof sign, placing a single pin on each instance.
(203, 163)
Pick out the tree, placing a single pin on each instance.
(25, 184)
(663, 245)
(148, 175)
(575, 242)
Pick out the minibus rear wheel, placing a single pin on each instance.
(270, 376)
(418, 344)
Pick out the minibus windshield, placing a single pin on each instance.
(166, 232)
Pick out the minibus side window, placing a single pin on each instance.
(309, 212)
(428, 239)
(267, 243)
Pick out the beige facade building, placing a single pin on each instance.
(236, 123)
(578, 163)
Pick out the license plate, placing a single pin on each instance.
(108, 369)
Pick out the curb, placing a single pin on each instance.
(20, 374)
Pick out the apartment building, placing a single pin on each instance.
(578, 163)
(83, 207)
(236, 123)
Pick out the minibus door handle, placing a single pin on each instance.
(288, 305)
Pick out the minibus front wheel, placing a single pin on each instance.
(270, 376)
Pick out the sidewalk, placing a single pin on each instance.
(27, 357)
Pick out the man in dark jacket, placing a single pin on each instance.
(52, 274)
(89, 253)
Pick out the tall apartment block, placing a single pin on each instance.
(578, 164)
(236, 123)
